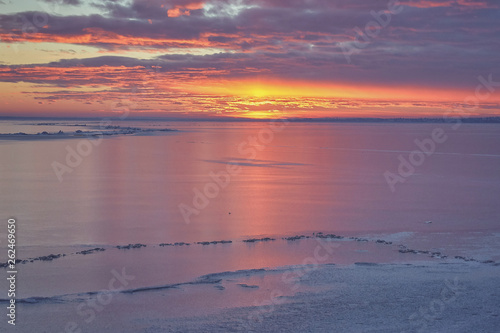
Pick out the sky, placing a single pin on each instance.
(249, 58)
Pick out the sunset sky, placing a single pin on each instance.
(249, 58)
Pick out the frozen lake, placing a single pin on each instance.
(390, 193)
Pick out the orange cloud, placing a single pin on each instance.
(184, 10)
(97, 36)
(445, 3)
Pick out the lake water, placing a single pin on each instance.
(301, 177)
(212, 181)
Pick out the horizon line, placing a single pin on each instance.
(479, 119)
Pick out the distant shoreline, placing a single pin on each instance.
(424, 120)
(111, 131)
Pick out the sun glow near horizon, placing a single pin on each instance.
(271, 88)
